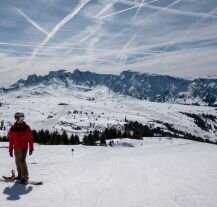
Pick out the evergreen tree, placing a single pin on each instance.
(110, 133)
(147, 132)
(35, 136)
(102, 139)
(77, 140)
(46, 136)
(57, 138)
(113, 133)
(137, 134)
(119, 134)
(5, 139)
(72, 139)
(89, 140)
(41, 136)
(96, 135)
(65, 138)
(85, 140)
(54, 139)
(126, 134)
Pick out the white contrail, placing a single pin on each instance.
(160, 11)
(32, 22)
(125, 47)
(81, 41)
(130, 51)
(163, 8)
(92, 43)
(106, 8)
(183, 13)
(170, 5)
(86, 37)
(199, 22)
(83, 57)
(137, 12)
(17, 44)
(167, 7)
(31, 45)
(127, 9)
(168, 10)
(136, 2)
(58, 26)
(191, 28)
(52, 47)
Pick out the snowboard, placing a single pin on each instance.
(30, 182)
(11, 179)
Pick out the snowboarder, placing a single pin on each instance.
(20, 136)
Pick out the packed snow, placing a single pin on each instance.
(133, 173)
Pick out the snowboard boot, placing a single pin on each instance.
(17, 178)
(24, 180)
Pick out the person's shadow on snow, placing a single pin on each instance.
(16, 191)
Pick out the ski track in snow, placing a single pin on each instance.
(155, 172)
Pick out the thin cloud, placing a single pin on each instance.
(31, 45)
(167, 7)
(181, 63)
(93, 42)
(122, 53)
(85, 38)
(58, 27)
(160, 45)
(192, 28)
(150, 16)
(106, 8)
(137, 12)
(168, 10)
(31, 21)
(81, 41)
(124, 10)
(114, 51)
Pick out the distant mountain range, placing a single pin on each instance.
(152, 87)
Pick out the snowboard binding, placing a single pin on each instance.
(10, 178)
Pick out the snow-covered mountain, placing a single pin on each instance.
(80, 109)
(156, 88)
(132, 172)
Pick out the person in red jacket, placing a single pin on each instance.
(20, 140)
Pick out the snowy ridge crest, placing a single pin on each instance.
(152, 87)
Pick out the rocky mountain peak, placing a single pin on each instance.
(153, 87)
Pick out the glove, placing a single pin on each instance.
(11, 154)
(30, 152)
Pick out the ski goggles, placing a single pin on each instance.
(19, 117)
(22, 118)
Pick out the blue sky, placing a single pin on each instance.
(174, 37)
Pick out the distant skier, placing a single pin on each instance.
(20, 136)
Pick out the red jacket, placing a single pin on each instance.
(20, 135)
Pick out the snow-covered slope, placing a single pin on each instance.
(155, 172)
(80, 109)
(153, 87)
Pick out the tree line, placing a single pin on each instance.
(46, 137)
(132, 130)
